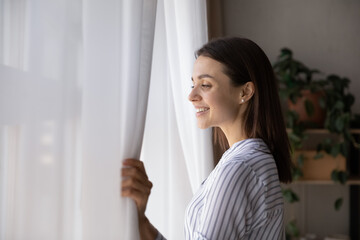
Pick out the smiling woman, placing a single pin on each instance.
(234, 89)
(213, 92)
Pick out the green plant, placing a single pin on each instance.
(294, 77)
(338, 115)
(338, 118)
(292, 230)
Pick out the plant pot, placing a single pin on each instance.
(320, 169)
(317, 119)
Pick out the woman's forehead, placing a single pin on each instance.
(206, 66)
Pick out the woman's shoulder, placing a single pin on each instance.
(252, 153)
(250, 157)
(245, 148)
(234, 171)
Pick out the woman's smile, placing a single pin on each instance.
(201, 111)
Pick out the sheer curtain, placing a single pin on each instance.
(39, 118)
(74, 84)
(73, 88)
(177, 155)
(118, 50)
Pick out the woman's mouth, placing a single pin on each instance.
(200, 111)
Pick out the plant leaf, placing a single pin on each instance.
(334, 175)
(300, 160)
(309, 106)
(293, 137)
(339, 105)
(296, 173)
(340, 123)
(318, 155)
(290, 196)
(322, 102)
(342, 177)
(338, 203)
(335, 150)
(292, 229)
(286, 52)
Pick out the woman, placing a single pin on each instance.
(234, 90)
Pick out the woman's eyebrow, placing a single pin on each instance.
(203, 76)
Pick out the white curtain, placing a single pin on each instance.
(177, 154)
(74, 82)
(73, 92)
(118, 38)
(40, 59)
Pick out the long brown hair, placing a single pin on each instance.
(244, 62)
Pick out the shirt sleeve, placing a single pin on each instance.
(234, 204)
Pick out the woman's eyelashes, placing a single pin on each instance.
(203, 86)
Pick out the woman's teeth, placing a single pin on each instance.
(201, 109)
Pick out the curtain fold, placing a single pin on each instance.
(39, 116)
(118, 50)
(186, 31)
(177, 155)
(74, 89)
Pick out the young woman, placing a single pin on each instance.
(234, 90)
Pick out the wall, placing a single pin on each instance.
(323, 34)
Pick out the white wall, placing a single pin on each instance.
(323, 34)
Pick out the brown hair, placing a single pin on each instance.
(244, 62)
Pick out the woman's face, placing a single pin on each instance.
(216, 100)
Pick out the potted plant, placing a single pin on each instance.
(304, 94)
(314, 102)
(338, 119)
(308, 96)
(305, 100)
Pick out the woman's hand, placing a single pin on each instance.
(135, 184)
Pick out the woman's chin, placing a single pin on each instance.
(202, 125)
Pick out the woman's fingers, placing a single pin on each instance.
(131, 172)
(135, 183)
(132, 183)
(135, 163)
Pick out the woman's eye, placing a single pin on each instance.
(202, 85)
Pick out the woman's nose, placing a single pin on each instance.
(194, 96)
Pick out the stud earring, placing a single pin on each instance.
(242, 100)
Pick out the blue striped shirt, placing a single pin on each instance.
(240, 199)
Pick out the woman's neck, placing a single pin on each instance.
(234, 134)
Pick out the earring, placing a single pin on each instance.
(242, 100)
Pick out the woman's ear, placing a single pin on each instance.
(248, 90)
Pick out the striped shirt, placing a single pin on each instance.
(240, 199)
